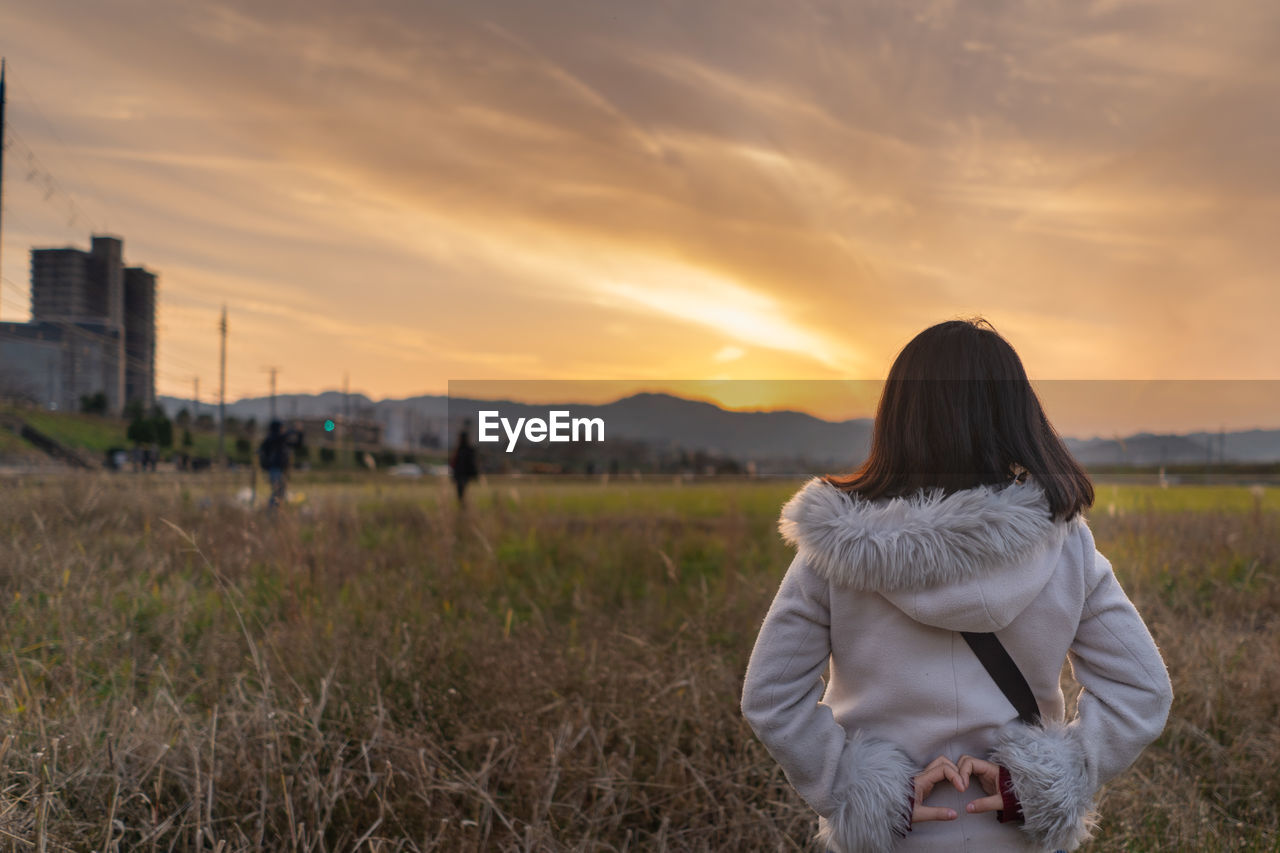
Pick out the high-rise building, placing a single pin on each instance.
(98, 316)
(140, 335)
(60, 286)
(92, 329)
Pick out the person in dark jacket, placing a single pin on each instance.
(274, 457)
(462, 465)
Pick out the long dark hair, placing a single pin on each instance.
(958, 412)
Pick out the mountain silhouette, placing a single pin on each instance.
(672, 421)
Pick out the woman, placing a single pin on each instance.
(965, 517)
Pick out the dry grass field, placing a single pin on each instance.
(557, 669)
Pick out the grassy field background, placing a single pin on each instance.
(558, 668)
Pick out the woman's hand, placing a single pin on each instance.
(940, 768)
(988, 776)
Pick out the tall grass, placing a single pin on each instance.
(556, 669)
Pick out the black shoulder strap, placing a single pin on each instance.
(1005, 673)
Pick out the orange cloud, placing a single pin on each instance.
(411, 193)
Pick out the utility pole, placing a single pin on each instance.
(1, 151)
(346, 415)
(222, 390)
(195, 398)
(273, 371)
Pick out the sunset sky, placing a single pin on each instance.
(418, 192)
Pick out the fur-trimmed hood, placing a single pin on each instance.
(969, 561)
(874, 598)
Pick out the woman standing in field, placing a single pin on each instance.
(963, 524)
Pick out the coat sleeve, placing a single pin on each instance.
(1056, 769)
(860, 785)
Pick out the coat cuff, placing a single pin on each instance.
(1049, 778)
(869, 815)
(1012, 810)
(898, 829)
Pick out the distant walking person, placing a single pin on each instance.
(462, 465)
(274, 457)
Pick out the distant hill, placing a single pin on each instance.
(1141, 449)
(655, 418)
(780, 436)
(672, 421)
(1190, 449)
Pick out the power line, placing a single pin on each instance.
(273, 371)
(22, 291)
(21, 303)
(36, 172)
(3, 146)
(72, 328)
(34, 103)
(222, 389)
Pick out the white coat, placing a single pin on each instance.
(878, 591)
